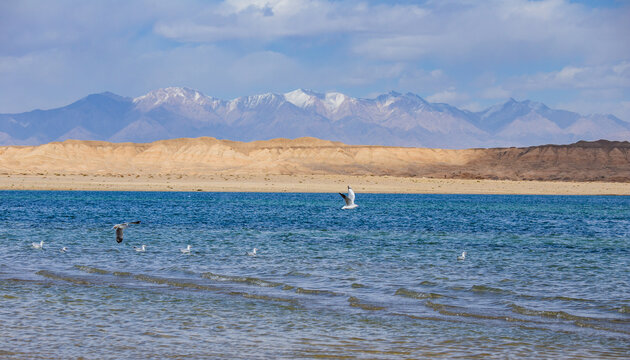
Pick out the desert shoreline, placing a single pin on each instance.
(317, 166)
(305, 183)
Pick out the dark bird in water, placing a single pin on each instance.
(119, 229)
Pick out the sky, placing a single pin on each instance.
(572, 55)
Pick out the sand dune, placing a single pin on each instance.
(584, 161)
(205, 157)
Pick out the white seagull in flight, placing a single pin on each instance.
(119, 230)
(349, 199)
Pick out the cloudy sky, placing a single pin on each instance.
(572, 55)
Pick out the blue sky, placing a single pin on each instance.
(573, 55)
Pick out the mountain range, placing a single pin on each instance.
(391, 119)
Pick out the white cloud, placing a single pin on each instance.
(449, 96)
(55, 52)
(495, 92)
(424, 82)
(496, 31)
(574, 77)
(269, 20)
(460, 31)
(473, 106)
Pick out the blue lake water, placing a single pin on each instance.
(544, 276)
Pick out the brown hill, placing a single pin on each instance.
(583, 161)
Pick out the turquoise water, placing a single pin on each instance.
(544, 276)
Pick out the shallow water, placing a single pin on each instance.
(544, 276)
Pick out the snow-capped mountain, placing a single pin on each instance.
(389, 119)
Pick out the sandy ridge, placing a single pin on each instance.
(316, 165)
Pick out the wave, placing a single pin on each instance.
(545, 313)
(195, 286)
(554, 298)
(216, 277)
(559, 315)
(264, 283)
(240, 279)
(355, 302)
(92, 270)
(417, 295)
(316, 292)
(53, 276)
(262, 297)
(122, 273)
(451, 310)
(485, 288)
(176, 283)
(297, 273)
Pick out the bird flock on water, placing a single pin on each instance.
(349, 200)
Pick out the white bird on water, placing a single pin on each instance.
(141, 249)
(38, 246)
(186, 250)
(119, 229)
(462, 256)
(63, 249)
(252, 253)
(349, 199)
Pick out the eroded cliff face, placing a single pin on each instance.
(582, 161)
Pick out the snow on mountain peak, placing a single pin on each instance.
(388, 99)
(333, 100)
(171, 95)
(301, 98)
(305, 98)
(250, 102)
(389, 119)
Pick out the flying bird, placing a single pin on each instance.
(63, 249)
(119, 230)
(349, 199)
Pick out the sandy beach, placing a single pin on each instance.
(305, 183)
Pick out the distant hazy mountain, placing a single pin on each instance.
(389, 119)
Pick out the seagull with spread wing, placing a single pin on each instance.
(119, 229)
(349, 199)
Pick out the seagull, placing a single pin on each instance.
(63, 249)
(141, 249)
(349, 199)
(252, 253)
(38, 246)
(119, 230)
(462, 256)
(186, 250)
